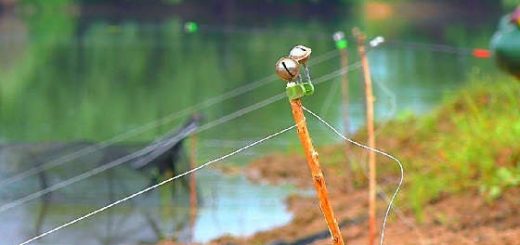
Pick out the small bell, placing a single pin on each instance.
(300, 53)
(338, 36)
(287, 68)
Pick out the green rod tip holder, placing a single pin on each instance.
(298, 90)
(342, 44)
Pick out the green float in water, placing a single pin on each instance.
(506, 43)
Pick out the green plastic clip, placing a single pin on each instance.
(341, 44)
(191, 27)
(298, 90)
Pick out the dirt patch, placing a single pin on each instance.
(462, 219)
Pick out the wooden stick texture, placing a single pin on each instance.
(193, 185)
(372, 184)
(345, 99)
(317, 174)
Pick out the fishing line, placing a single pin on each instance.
(392, 111)
(390, 94)
(392, 199)
(153, 124)
(442, 48)
(334, 88)
(136, 154)
(434, 47)
(82, 176)
(274, 98)
(149, 148)
(158, 185)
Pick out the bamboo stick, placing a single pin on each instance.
(317, 175)
(288, 69)
(193, 184)
(372, 185)
(344, 88)
(341, 44)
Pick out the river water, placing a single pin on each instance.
(73, 78)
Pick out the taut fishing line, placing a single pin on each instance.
(153, 124)
(334, 88)
(392, 199)
(147, 149)
(157, 185)
(136, 154)
(265, 102)
(433, 47)
(390, 94)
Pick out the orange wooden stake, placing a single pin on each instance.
(288, 68)
(371, 137)
(344, 87)
(317, 174)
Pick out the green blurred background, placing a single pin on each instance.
(86, 71)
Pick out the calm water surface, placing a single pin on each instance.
(71, 78)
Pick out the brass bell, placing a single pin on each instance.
(300, 53)
(287, 68)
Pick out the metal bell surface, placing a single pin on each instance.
(287, 69)
(300, 53)
(339, 35)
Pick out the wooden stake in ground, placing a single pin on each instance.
(193, 184)
(341, 45)
(371, 137)
(288, 69)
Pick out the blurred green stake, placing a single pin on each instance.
(339, 38)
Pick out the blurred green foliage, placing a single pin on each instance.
(314, 2)
(106, 78)
(92, 79)
(511, 3)
(469, 144)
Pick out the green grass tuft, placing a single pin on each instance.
(470, 143)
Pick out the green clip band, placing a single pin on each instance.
(299, 90)
(341, 44)
(309, 88)
(191, 27)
